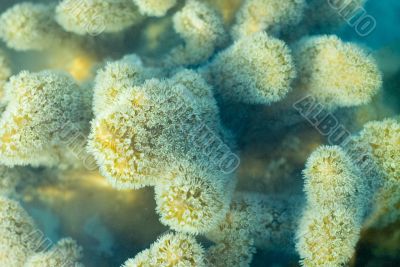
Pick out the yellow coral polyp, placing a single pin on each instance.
(191, 203)
(143, 127)
(115, 79)
(178, 250)
(16, 226)
(383, 138)
(331, 178)
(97, 16)
(270, 15)
(327, 237)
(142, 259)
(105, 136)
(139, 99)
(202, 29)
(254, 70)
(114, 150)
(337, 193)
(6, 139)
(9, 137)
(30, 26)
(31, 126)
(337, 74)
(171, 249)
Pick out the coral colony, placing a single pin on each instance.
(172, 112)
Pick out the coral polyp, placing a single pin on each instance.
(21, 241)
(327, 238)
(333, 212)
(267, 15)
(383, 137)
(137, 138)
(122, 162)
(330, 178)
(171, 250)
(29, 26)
(41, 109)
(199, 133)
(66, 251)
(16, 226)
(192, 199)
(256, 70)
(116, 78)
(94, 17)
(203, 31)
(338, 74)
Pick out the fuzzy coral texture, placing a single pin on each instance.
(202, 113)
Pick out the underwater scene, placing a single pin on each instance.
(199, 133)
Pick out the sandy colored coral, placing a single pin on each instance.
(142, 259)
(202, 92)
(234, 244)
